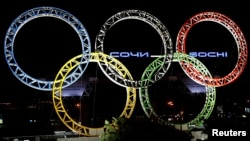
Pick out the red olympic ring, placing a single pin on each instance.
(233, 29)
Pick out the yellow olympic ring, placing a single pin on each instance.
(57, 93)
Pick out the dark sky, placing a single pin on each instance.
(42, 47)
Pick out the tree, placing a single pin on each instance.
(122, 129)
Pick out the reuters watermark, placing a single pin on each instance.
(228, 133)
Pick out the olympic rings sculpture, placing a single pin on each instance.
(32, 14)
(210, 92)
(57, 93)
(238, 36)
(117, 72)
(158, 26)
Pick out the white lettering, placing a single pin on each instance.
(125, 54)
(216, 132)
(208, 54)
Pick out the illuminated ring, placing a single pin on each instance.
(210, 93)
(57, 95)
(158, 26)
(37, 13)
(238, 36)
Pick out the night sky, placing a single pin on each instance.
(42, 46)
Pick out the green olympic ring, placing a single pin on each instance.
(210, 91)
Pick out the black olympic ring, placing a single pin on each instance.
(158, 26)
